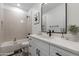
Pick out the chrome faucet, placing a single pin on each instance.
(49, 33)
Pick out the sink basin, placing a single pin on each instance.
(45, 35)
(23, 42)
(71, 37)
(68, 37)
(11, 46)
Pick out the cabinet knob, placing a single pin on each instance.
(58, 54)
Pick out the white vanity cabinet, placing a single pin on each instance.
(39, 47)
(43, 47)
(32, 47)
(56, 51)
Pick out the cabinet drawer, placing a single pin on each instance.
(41, 44)
(64, 52)
(60, 52)
(52, 51)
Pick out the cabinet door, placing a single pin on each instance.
(56, 51)
(39, 48)
(43, 47)
(32, 48)
(63, 52)
(52, 50)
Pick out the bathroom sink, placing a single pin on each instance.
(55, 36)
(71, 37)
(11, 46)
(67, 37)
(23, 42)
(45, 35)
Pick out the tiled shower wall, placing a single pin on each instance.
(1, 18)
(10, 25)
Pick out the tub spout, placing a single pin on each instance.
(14, 39)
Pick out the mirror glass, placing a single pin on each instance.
(54, 17)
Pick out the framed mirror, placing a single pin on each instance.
(54, 17)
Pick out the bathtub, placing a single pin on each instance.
(9, 47)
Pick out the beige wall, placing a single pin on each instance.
(12, 27)
(1, 26)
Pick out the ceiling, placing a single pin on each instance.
(27, 6)
(24, 6)
(49, 6)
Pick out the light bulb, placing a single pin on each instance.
(45, 3)
(18, 4)
(22, 21)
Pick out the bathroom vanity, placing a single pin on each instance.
(43, 45)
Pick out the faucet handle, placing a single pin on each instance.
(15, 39)
(49, 31)
(52, 31)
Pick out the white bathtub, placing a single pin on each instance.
(11, 46)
